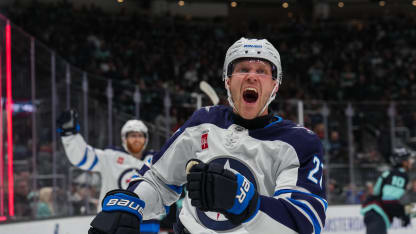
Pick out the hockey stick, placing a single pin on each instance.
(208, 90)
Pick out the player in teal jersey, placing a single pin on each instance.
(380, 209)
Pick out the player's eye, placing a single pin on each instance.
(261, 71)
(242, 70)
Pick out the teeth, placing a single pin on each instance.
(251, 89)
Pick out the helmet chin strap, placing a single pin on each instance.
(229, 99)
(271, 98)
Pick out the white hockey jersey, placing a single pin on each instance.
(115, 166)
(282, 160)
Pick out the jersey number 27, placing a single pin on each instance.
(315, 175)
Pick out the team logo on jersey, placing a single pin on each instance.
(120, 160)
(204, 140)
(231, 140)
(217, 221)
(125, 177)
(148, 160)
(238, 128)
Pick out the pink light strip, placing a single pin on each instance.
(9, 118)
(1, 147)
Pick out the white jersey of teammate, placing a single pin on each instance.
(282, 160)
(116, 166)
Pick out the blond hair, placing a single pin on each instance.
(45, 195)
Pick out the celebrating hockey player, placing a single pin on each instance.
(245, 170)
(116, 166)
(380, 208)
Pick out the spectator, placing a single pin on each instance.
(21, 199)
(44, 207)
(337, 148)
(369, 187)
(75, 200)
(352, 194)
(336, 194)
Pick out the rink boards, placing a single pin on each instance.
(340, 220)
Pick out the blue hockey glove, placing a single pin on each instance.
(122, 213)
(213, 188)
(67, 123)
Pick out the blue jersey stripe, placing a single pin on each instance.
(177, 189)
(279, 119)
(84, 158)
(278, 192)
(278, 209)
(93, 163)
(167, 209)
(316, 205)
(310, 214)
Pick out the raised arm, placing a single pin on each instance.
(79, 153)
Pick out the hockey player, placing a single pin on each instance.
(116, 166)
(380, 208)
(247, 170)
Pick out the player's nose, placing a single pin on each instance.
(251, 77)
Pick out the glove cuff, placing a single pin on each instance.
(246, 202)
(69, 131)
(244, 194)
(249, 213)
(124, 200)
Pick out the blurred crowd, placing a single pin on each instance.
(333, 61)
(78, 198)
(372, 59)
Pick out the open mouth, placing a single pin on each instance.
(250, 95)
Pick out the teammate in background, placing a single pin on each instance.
(248, 171)
(380, 208)
(116, 166)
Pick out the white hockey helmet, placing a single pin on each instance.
(253, 48)
(134, 125)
